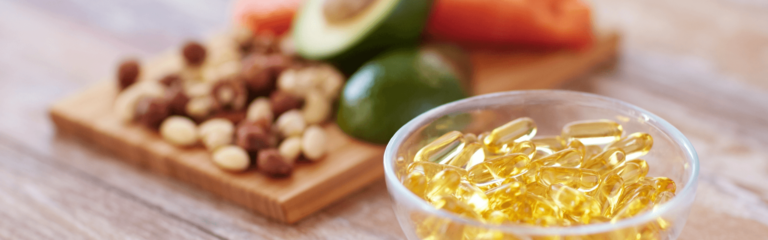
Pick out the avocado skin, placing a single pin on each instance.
(389, 91)
(402, 27)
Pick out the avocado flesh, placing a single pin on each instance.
(382, 25)
(392, 89)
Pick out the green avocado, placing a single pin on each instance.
(357, 35)
(394, 88)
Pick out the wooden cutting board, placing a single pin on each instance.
(350, 164)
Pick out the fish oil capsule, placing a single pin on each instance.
(606, 160)
(591, 151)
(543, 208)
(584, 180)
(470, 138)
(502, 197)
(593, 132)
(574, 202)
(635, 145)
(454, 205)
(505, 136)
(664, 184)
(445, 182)
(417, 183)
(632, 171)
(553, 143)
(577, 145)
(472, 196)
(497, 168)
(538, 188)
(632, 208)
(469, 151)
(662, 197)
(429, 169)
(489, 184)
(564, 158)
(609, 192)
(526, 148)
(442, 149)
(635, 190)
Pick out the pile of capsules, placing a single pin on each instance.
(589, 174)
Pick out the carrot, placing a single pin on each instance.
(548, 23)
(260, 16)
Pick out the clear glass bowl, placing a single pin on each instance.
(672, 156)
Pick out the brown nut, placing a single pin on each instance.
(265, 42)
(231, 158)
(229, 94)
(243, 36)
(151, 111)
(194, 53)
(125, 102)
(127, 73)
(177, 100)
(271, 163)
(255, 136)
(260, 71)
(179, 131)
(283, 101)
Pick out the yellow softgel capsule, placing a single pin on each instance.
(632, 171)
(609, 192)
(454, 205)
(445, 182)
(664, 184)
(442, 149)
(498, 168)
(635, 145)
(502, 197)
(575, 203)
(593, 132)
(584, 180)
(526, 148)
(538, 188)
(417, 183)
(564, 158)
(591, 151)
(430, 169)
(503, 137)
(469, 151)
(606, 160)
(553, 143)
(635, 190)
(633, 207)
(472, 196)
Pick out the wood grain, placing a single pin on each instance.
(698, 64)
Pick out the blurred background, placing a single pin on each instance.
(702, 65)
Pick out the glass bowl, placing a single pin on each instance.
(672, 156)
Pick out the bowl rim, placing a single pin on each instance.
(394, 184)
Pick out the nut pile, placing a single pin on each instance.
(245, 98)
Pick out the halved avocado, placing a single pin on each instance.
(362, 32)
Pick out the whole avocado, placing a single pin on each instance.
(394, 88)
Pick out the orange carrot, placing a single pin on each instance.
(545, 23)
(260, 16)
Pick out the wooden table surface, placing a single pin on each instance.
(700, 64)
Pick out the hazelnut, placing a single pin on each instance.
(272, 163)
(125, 103)
(231, 158)
(194, 53)
(229, 94)
(243, 36)
(127, 73)
(260, 108)
(255, 136)
(151, 111)
(290, 148)
(316, 108)
(258, 77)
(177, 100)
(291, 123)
(283, 101)
(199, 107)
(313, 143)
(179, 131)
